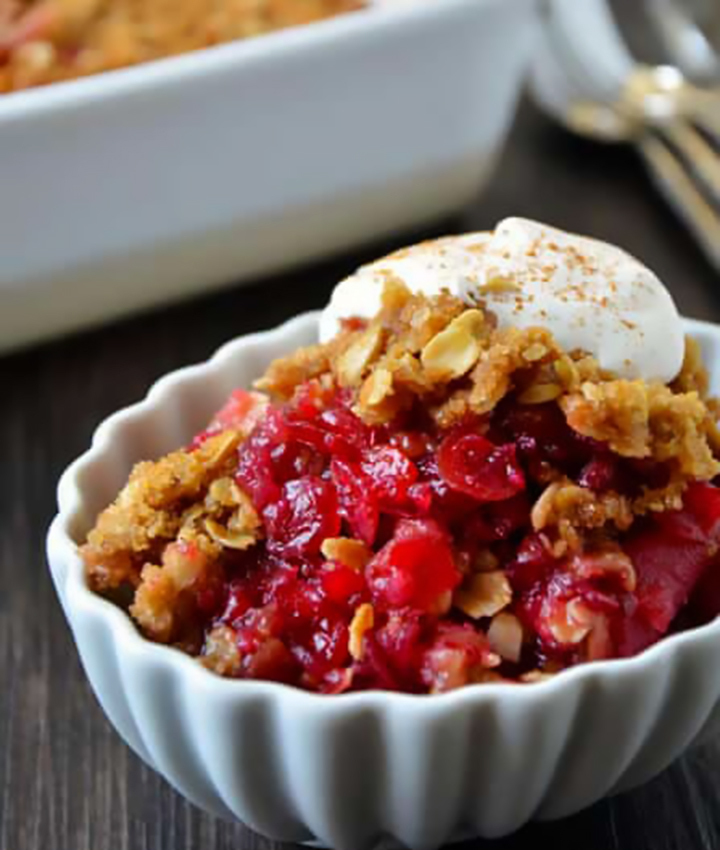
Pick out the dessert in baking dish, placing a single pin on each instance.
(497, 463)
(44, 41)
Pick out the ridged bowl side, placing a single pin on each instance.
(350, 769)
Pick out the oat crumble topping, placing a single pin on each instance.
(427, 501)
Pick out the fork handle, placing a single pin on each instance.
(678, 188)
(699, 154)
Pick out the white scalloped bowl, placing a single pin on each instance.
(349, 769)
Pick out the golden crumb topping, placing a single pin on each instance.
(425, 371)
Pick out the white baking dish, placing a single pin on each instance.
(348, 769)
(130, 188)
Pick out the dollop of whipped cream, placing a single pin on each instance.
(590, 295)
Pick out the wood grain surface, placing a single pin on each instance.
(67, 782)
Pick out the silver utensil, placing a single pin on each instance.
(673, 123)
(669, 173)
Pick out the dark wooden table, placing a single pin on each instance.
(67, 782)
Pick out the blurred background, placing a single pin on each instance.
(597, 144)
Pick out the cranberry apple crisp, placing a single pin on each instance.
(428, 499)
(45, 41)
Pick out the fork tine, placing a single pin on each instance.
(675, 183)
(709, 121)
(700, 155)
(701, 106)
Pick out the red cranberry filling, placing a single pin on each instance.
(471, 464)
(415, 569)
(428, 506)
(303, 516)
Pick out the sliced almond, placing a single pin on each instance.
(590, 626)
(362, 621)
(215, 450)
(377, 387)
(506, 636)
(535, 352)
(543, 510)
(352, 553)
(191, 516)
(244, 522)
(455, 350)
(356, 359)
(540, 393)
(484, 594)
(225, 537)
(567, 372)
(245, 518)
(569, 623)
(225, 492)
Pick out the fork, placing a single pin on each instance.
(603, 94)
(681, 161)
